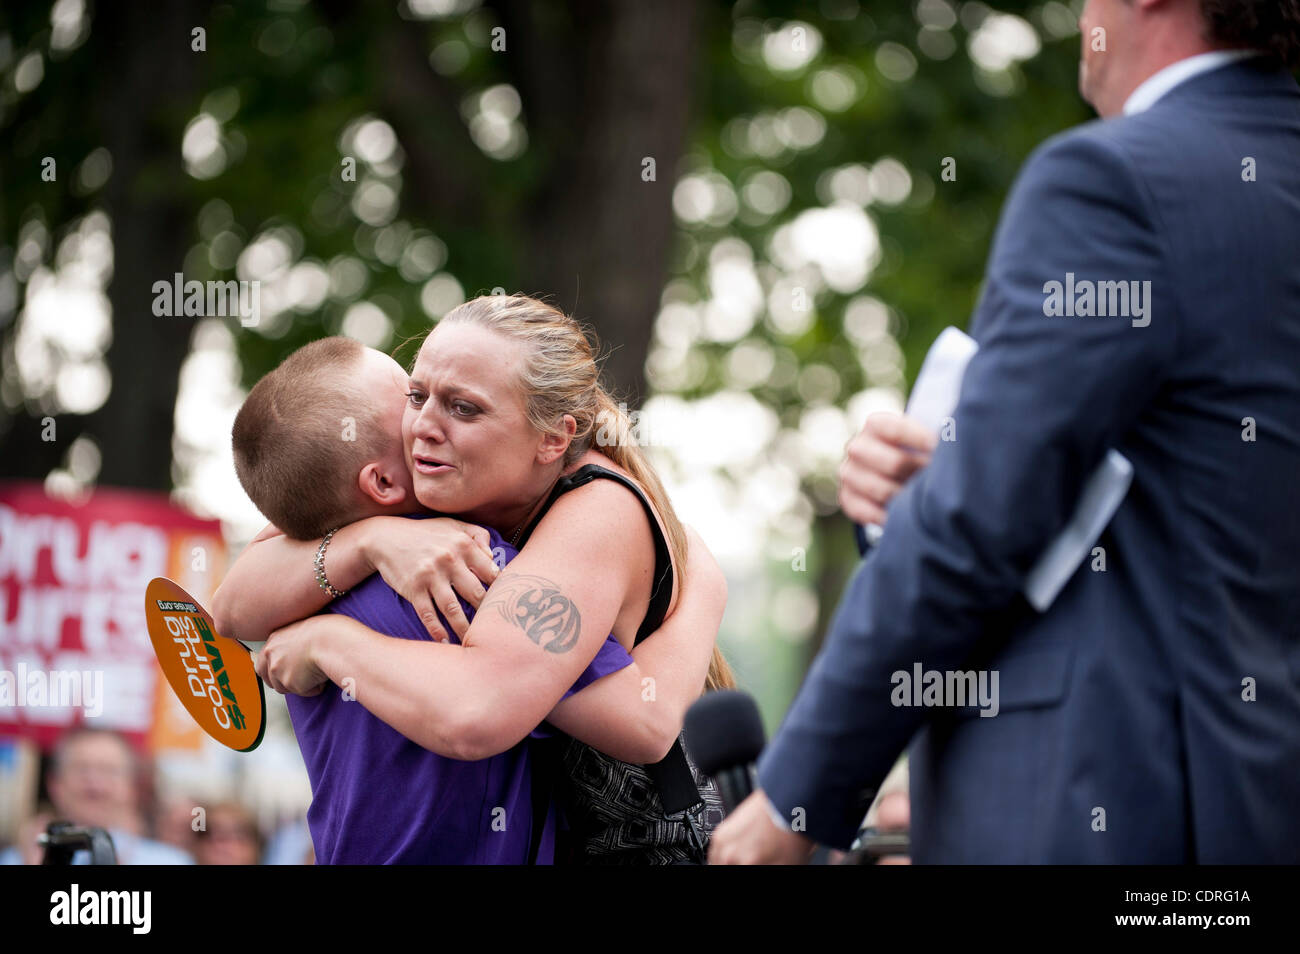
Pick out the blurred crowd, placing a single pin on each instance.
(94, 778)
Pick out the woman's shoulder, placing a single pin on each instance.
(604, 493)
(642, 534)
(634, 500)
(604, 519)
(596, 458)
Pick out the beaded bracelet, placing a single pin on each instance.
(321, 579)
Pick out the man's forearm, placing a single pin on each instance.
(464, 702)
(843, 731)
(615, 716)
(273, 582)
(425, 690)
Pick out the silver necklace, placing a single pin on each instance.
(514, 537)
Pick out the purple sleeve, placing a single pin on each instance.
(374, 603)
(610, 659)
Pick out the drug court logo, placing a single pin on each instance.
(211, 675)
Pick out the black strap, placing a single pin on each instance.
(545, 757)
(672, 774)
(675, 781)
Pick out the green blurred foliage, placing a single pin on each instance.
(289, 81)
(935, 243)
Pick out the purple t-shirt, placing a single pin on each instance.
(378, 798)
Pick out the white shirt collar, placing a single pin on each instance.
(1175, 74)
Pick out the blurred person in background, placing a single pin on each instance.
(94, 782)
(175, 820)
(230, 837)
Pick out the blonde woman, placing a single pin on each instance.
(508, 426)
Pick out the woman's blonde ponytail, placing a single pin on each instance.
(615, 438)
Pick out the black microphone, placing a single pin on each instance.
(724, 735)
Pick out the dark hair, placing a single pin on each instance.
(78, 732)
(1269, 25)
(291, 454)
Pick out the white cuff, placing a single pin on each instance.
(774, 813)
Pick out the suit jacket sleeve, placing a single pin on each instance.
(1042, 401)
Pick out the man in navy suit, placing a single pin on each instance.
(1152, 713)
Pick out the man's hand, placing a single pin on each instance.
(750, 836)
(286, 663)
(428, 562)
(894, 814)
(888, 451)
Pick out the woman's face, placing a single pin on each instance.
(466, 435)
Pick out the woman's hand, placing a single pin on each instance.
(273, 583)
(287, 664)
(428, 562)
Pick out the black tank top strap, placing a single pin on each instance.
(662, 593)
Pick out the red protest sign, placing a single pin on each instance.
(74, 645)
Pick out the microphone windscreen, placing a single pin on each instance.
(723, 730)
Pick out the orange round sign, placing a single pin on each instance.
(212, 676)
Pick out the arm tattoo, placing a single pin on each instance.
(536, 605)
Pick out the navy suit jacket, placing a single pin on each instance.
(1152, 713)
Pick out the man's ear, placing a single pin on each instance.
(553, 446)
(377, 485)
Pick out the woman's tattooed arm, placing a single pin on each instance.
(536, 605)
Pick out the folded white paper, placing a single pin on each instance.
(933, 400)
(938, 384)
(1102, 495)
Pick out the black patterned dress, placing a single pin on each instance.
(614, 809)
